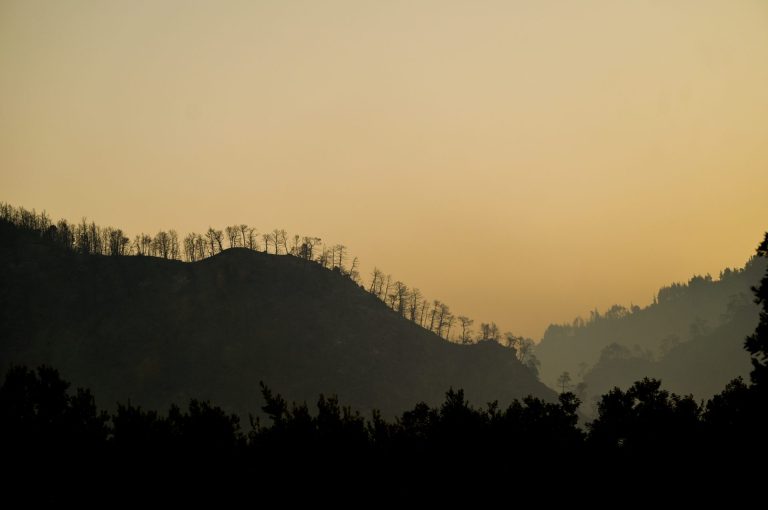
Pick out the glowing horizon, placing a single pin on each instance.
(523, 162)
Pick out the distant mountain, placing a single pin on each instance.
(691, 337)
(701, 366)
(161, 331)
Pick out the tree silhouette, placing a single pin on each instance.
(646, 420)
(233, 235)
(564, 381)
(39, 417)
(466, 332)
(757, 343)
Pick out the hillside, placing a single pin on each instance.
(701, 366)
(162, 331)
(691, 337)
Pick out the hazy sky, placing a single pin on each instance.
(523, 161)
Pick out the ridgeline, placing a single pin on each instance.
(159, 331)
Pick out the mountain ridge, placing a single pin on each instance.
(162, 331)
(691, 337)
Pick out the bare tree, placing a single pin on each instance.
(200, 246)
(414, 298)
(284, 238)
(146, 243)
(339, 251)
(449, 323)
(105, 235)
(189, 248)
(401, 294)
(233, 235)
(424, 308)
(252, 243)
(267, 238)
(442, 318)
(280, 238)
(174, 238)
(83, 243)
(118, 243)
(385, 290)
(211, 238)
(94, 239)
(489, 331)
(215, 238)
(137, 245)
(466, 332)
(307, 249)
(162, 245)
(219, 237)
(564, 381)
(243, 234)
(325, 257)
(377, 280)
(435, 308)
(353, 273)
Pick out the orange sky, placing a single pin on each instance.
(522, 161)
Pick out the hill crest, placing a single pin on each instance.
(160, 331)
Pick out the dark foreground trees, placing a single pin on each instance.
(62, 448)
(53, 435)
(40, 416)
(757, 343)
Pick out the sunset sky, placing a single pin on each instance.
(522, 161)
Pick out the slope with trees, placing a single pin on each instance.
(159, 330)
(689, 337)
(88, 238)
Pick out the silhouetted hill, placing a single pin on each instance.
(162, 331)
(701, 366)
(691, 337)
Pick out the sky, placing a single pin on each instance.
(522, 161)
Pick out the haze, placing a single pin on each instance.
(524, 162)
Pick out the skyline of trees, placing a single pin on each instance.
(88, 238)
